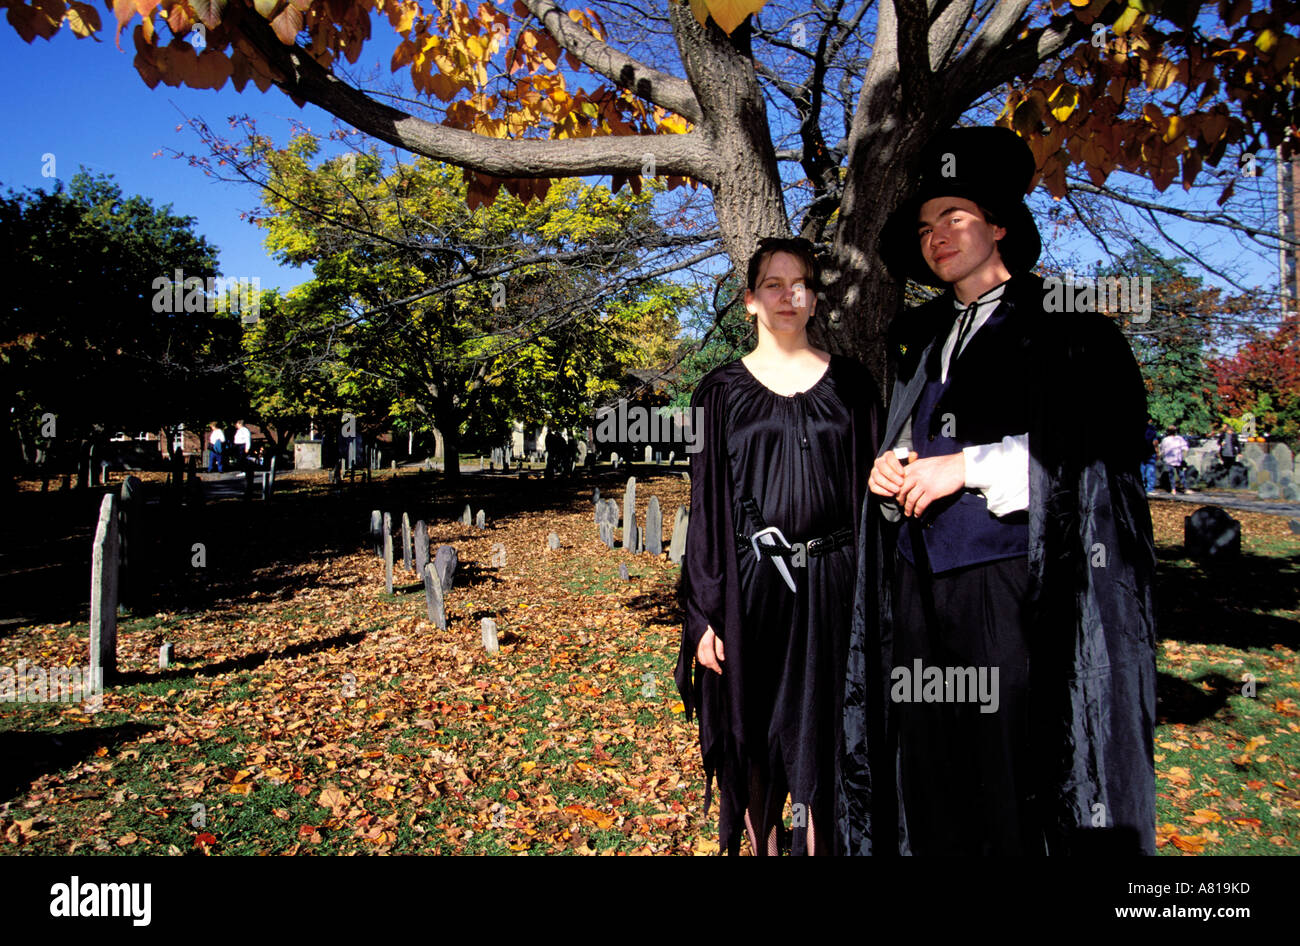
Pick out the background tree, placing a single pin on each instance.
(1263, 377)
(464, 319)
(81, 337)
(856, 91)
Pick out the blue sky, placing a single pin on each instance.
(83, 102)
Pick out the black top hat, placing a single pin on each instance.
(991, 166)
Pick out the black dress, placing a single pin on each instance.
(776, 710)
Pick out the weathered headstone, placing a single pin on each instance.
(489, 627)
(640, 538)
(467, 517)
(480, 520)
(607, 533)
(580, 453)
(1290, 491)
(622, 572)
(388, 552)
(631, 536)
(103, 591)
(406, 541)
(613, 458)
(677, 547)
(433, 597)
(166, 654)
(629, 515)
(421, 539)
(129, 549)
(1269, 491)
(553, 542)
(649, 454)
(611, 513)
(1285, 460)
(1238, 477)
(445, 561)
(377, 531)
(654, 528)
(672, 455)
(1211, 533)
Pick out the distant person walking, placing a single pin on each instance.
(243, 443)
(216, 447)
(1152, 439)
(1228, 447)
(1173, 449)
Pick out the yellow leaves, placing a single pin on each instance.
(599, 819)
(1160, 75)
(728, 14)
(83, 18)
(1178, 775)
(1063, 101)
(1265, 41)
(334, 800)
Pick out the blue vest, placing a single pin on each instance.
(958, 530)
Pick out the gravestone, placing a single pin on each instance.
(607, 534)
(445, 561)
(166, 654)
(672, 455)
(480, 521)
(377, 531)
(631, 536)
(421, 537)
(1269, 469)
(623, 573)
(433, 597)
(1290, 491)
(489, 627)
(580, 453)
(677, 547)
(1238, 477)
(1295, 525)
(611, 513)
(553, 542)
(1284, 459)
(388, 552)
(629, 515)
(406, 541)
(654, 527)
(613, 458)
(1253, 451)
(1211, 533)
(467, 517)
(270, 480)
(649, 454)
(640, 539)
(1269, 491)
(129, 548)
(103, 591)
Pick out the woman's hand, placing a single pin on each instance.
(709, 653)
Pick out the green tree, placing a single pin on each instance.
(92, 337)
(462, 319)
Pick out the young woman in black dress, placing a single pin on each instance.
(789, 433)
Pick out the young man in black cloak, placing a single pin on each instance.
(1001, 681)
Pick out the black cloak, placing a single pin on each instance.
(1092, 566)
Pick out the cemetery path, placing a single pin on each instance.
(1234, 500)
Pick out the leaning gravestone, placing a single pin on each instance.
(433, 597)
(1211, 533)
(677, 547)
(553, 542)
(377, 531)
(629, 515)
(654, 528)
(406, 541)
(467, 517)
(445, 561)
(489, 628)
(388, 552)
(103, 592)
(480, 521)
(607, 534)
(421, 537)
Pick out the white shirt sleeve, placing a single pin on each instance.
(1001, 472)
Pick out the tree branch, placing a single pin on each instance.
(306, 80)
(662, 89)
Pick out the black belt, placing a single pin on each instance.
(820, 546)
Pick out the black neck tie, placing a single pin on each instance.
(967, 318)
